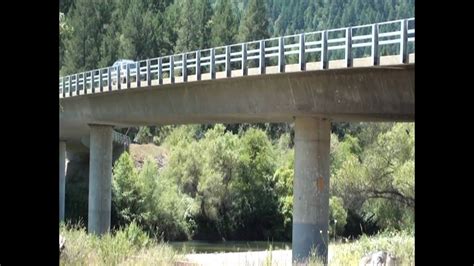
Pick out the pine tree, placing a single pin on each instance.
(203, 23)
(82, 49)
(111, 41)
(109, 48)
(188, 37)
(254, 24)
(194, 25)
(140, 32)
(64, 32)
(224, 24)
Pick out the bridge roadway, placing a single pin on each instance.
(372, 93)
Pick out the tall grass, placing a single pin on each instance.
(127, 246)
(399, 244)
(131, 246)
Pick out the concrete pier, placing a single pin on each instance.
(62, 178)
(311, 188)
(100, 179)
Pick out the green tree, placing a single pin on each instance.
(338, 213)
(140, 37)
(188, 37)
(220, 153)
(283, 179)
(127, 191)
(194, 25)
(169, 30)
(167, 213)
(185, 162)
(82, 48)
(254, 24)
(224, 24)
(144, 135)
(152, 201)
(256, 202)
(109, 48)
(65, 30)
(204, 23)
(379, 180)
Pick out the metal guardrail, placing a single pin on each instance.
(121, 138)
(238, 57)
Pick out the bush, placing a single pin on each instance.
(150, 200)
(399, 244)
(134, 235)
(128, 246)
(337, 212)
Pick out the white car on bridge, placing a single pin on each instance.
(121, 65)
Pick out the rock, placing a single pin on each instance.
(378, 258)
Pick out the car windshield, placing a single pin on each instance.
(123, 63)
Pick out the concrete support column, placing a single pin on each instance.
(62, 179)
(100, 179)
(311, 188)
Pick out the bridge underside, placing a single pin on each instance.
(383, 93)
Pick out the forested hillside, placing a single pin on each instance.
(99, 32)
(235, 181)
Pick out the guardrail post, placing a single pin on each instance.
(61, 87)
(348, 47)
(244, 59)
(281, 55)
(302, 60)
(69, 86)
(184, 68)
(324, 50)
(198, 65)
(63, 81)
(148, 73)
(403, 42)
(138, 74)
(160, 71)
(109, 78)
(227, 62)
(127, 77)
(76, 82)
(101, 83)
(93, 81)
(119, 81)
(172, 69)
(84, 91)
(262, 57)
(213, 63)
(375, 45)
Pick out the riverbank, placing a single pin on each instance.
(130, 246)
(399, 244)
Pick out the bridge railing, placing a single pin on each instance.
(363, 45)
(121, 138)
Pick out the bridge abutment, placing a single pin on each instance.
(311, 188)
(62, 179)
(100, 179)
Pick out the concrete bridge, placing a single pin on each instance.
(363, 73)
